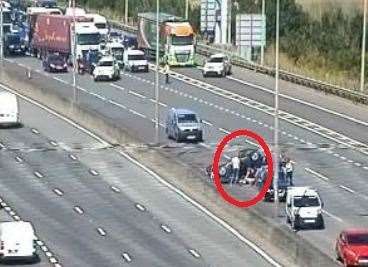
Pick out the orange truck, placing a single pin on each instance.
(177, 40)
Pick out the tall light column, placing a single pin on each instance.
(1, 33)
(74, 57)
(263, 47)
(186, 9)
(362, 74)
(157, 114)
(276, 119)
(126, 12)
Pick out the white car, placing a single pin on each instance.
(107, 68)
(135, 60)
(218, 65)
(304, 208)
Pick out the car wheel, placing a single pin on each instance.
(204, 74)
(294, 225)
(287, 219)
(95, 78)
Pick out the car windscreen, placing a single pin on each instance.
(361, 239)
(56, 58)
(100, 25)
(89, 39)
(182, 40)
(105, 63)
(13, 39)
(306, 201)
(187, 118)
(216, 59)
(136, 57)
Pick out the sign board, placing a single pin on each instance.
(250, 30)
(209, 15)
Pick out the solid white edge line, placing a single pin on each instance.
(317, 174)
(218, 220)
(74, 124)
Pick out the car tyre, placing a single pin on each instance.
(204, 74)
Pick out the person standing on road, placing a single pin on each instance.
(167, 72)
(289, 171)
(235, 162)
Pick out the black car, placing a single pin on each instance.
(55, 63)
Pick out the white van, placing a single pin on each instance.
(135, 60)
(17, 241)
(9, 109)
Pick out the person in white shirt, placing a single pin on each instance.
(289, 171)
(235, 162)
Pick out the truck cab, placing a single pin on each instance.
(135, 60)
(304, 208)
(87, 37)
(100, 23)
(13, 44)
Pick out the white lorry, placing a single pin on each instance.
(17, 241)
(9, 109)
(304, 208)
(87, 37)
(101, 24)
(135, 60)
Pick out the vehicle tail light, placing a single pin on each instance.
(2, 245)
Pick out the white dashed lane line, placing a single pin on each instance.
(53, 143)
(101, 231)
(115, 189)
(93, 172)
(78, 210)
(136, 94)
(2, 146)
(166, 228)
(18, 159)
(126, 257)
(38, 174)
(321, 176)
(35, 131)
(72, 157)
(332, 216)
(58, 192)
(194, 253)
(140, 207)
(347, 189)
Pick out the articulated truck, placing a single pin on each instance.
(54, 33)
(176, 38)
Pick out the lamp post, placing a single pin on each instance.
(157, 115)
(276, 118)
(126, 12)
(263, 46)
(362, 69)
(74, 57)
(186, 9)
(1, 33)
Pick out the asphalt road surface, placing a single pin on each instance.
(93, 207)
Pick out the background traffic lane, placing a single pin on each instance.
(341, 125)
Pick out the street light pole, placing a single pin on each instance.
(186, 9)
(276, 123)
(74, 57)
(1, 33)
(157, 115)
(363, 47)
(263, 46)
(126, 12)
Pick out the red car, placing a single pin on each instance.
(352, 247)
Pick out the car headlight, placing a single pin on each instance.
(319, 211)
(11, 46)
(23, 46)
(52, 66)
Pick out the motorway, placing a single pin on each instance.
(333, 160)
(92, 206)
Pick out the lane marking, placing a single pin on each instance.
(78, 210)
(60, 80)
(166, 228)
(38, 174)
(54, 143)
(93, 172)
(224, 130)
(72, 157)
(117, 86)
(140, 207)
(160, 103)
(18, 159)
(317, 174)
(207, 122)
(138, 114)
(35, 131)
(126, 257)
(332, 216)
(58, 192)
(347, 189)
(194, 253)
(2, 146)
(136, 94)
(115, 189)
(101, 231)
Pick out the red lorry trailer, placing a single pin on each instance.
(52, 34)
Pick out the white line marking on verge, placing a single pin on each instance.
(347, 189)
(332, 216)
(317, 174)
(126, 257)
(166, 228)
(194, 253)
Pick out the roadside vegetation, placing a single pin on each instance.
(326, 47)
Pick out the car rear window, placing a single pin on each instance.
(187, 118)
(361, 239)
(216, 59)
(105, 63)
